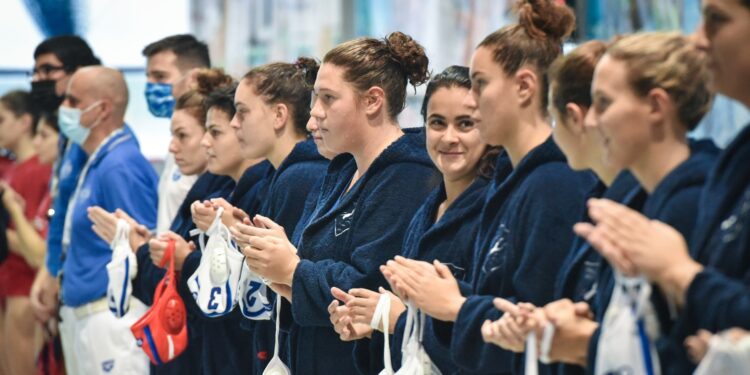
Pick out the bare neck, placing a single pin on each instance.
(658, 160)
(453, 189)
(605, 174)
(98, 134)
(284, 146)
(23, 149)
(531, 132)
(242, 167)
(374, 146)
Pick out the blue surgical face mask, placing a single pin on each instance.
(159, 98)
(69, 120)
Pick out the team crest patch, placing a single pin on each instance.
(343, 222)
(496, 254)
(731, 228)
(108, 365)
(85, 194)
(65, 170)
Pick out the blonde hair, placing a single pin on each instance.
(668, 61)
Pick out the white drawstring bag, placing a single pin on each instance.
(725, 357)
(276, 366)
(531, 366)
(625, 345)
(214, 285)
(380, 319)
(253, 296)
(414, 359)
(121, 271)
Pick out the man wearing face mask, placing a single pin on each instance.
(170, 64)
(116, 175)
(55, 61)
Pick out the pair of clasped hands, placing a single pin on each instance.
(268, 252)
(432, 288)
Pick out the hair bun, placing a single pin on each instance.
(410, 55)
(546, 18)
(208, 80)
(308, 67)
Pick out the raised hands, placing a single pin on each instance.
(431, 287)
(105, 226)
(158, 246)
(342, 320)
(634, 244)
(269, 252)
(510, 331)
(204, 213)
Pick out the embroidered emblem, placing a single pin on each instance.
(343, 222)
(495, 255)
(65, 170)
(108, 365)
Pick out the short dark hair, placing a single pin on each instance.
(50, 118)
(452, 76)
(191, 53)
(71, 50)
(19, 103)
(222, 99)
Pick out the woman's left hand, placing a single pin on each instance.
(182, 249)
(272, 258)
(430, 287)
(573, 330)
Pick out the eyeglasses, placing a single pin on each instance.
(44, 70)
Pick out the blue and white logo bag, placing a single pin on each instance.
(214, 285)
(121, 271)
(253, 296)
(628, 330)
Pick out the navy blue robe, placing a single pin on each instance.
(350, 234)
(674, 201)
(518, 253)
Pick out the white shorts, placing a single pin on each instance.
(94, 341)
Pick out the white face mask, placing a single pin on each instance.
(69, 120)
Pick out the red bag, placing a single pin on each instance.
(163, 328)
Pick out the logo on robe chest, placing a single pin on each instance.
(343, 222)
(496, 254)
(108, 365)
(65, 170)
(732, 227)
(176, 174)
(84, 194)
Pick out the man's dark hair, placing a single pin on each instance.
(71, 50)
(191, 53)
